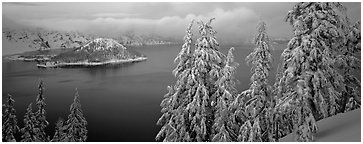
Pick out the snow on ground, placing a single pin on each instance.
(344, 127)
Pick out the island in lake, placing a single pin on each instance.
(100, 51)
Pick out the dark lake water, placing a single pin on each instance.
(120, 103)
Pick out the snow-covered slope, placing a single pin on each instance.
(21, 40)
(100, 44)
(344, 127)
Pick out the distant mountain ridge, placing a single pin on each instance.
(40, 39)
(139, 40)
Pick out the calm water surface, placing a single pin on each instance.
(120, 103)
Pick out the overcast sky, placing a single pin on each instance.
(234, 21)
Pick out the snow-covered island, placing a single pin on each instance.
(98, 52)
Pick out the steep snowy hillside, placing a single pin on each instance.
(344, 127)
(27, 40)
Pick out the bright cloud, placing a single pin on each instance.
(114, 15)
(230, 24)
(235, 22)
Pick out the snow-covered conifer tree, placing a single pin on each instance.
(29, 131)
(348, 61)
(41, 121)
(173, 121)
(223, 124)
(189, 107)
(309, 81)
(76, 123)
(60, 131)
(9, 126)
(256, 108)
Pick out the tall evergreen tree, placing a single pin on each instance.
(9, 126)
(223, 123)
(281, 123)
(40, 115)
(309, 80)
(188, 113)
(76, 123)
(174, 122)
(29, 131)
(208, 64)
(60, 131)
(239, 119)
(348, 61)
(255, 106)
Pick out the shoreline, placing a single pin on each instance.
(30, 59)
(90, 64)
(33, 50)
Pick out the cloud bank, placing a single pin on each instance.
(235, 22)
(231, 25)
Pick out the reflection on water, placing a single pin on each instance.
(120, 103)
